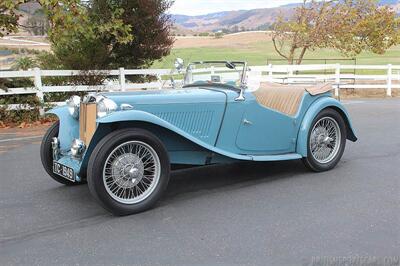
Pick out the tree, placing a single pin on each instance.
(367, 27)
(100, 46)
(103, 34)
(65, 17)
(150, 26)
(346, 25)
(219, 35)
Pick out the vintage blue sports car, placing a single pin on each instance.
(125, 143)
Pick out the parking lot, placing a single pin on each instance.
(247, 213)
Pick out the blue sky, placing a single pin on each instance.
(200, 7)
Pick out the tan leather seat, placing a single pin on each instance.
(286, 98)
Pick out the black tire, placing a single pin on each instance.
(310, 162)
(97, 162)
(46, 154)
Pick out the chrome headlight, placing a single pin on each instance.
(77, 148)
(73, 106)
(105, 106)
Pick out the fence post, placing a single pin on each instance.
(389, 81)
(122, 79)
(337, 80)
(270, 72)
(38, 85)
(160, 82)
(290, 70)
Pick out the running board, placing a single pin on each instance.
(280, 157)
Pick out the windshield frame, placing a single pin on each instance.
(242, 78)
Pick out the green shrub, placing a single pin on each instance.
(6, 83)
(204, 34)
(24, 63)
(19, 116)
(28, 100)
(218, 35)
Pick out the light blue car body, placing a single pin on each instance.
(206, 125)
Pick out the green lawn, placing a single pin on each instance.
(258, 53)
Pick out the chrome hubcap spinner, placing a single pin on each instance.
(325, 140)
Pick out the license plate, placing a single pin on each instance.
(64, 171)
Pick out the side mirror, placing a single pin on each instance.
(179, 64)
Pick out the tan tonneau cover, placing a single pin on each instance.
(286, 98)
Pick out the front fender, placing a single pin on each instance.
(69, 126)
(312, 112)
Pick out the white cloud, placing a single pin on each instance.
(200, 7)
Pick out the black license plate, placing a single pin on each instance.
(64, 171)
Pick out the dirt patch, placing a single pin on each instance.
(25, 42)
(367, 93)
(231, 40)
(34, 130)
(9, 44)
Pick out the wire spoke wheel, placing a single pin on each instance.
(131, 172)
(325, 140)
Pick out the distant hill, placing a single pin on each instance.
(255, 19)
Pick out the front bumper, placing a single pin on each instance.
(71, 158)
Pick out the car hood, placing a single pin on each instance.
(168, 96)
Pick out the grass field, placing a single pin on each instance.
(257, 48)
(253, 47)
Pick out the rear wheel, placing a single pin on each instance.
(326, 141)
(46, 154)
(128, 171)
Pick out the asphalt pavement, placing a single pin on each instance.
(246, 213)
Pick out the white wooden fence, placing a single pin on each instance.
(340, 76)
(388, 78)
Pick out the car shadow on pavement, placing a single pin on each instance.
(219, 177)
(197, 181)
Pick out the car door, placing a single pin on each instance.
(265, 131)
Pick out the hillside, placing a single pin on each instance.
(255, 19)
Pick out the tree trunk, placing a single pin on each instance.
(291, 55)
(278, 50)
(303, 52)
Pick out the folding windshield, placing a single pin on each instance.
(216, 72)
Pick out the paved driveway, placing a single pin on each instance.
(246, 213)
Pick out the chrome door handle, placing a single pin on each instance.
(247, 122)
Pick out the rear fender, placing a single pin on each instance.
(312, 112)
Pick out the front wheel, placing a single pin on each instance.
(326, 141)
(128, 171)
